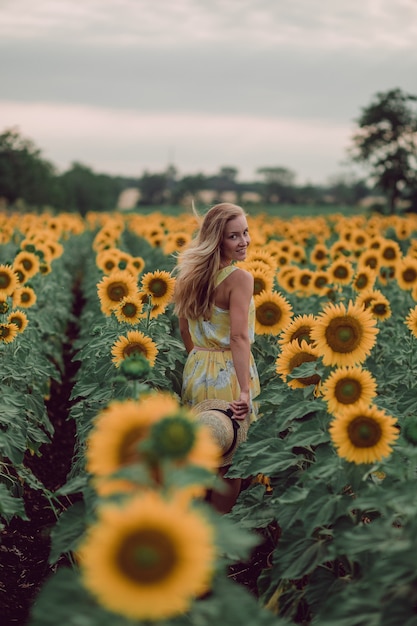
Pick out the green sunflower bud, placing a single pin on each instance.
(135, 366)
(172, 437)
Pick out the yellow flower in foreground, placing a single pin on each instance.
(8, 333)
(148, 559)
(160, 285)
(19, 319)
(113, 288)
(363, 434)
(344, 335)
(293, 355)
(8, 281)
(25, 297)
(29, 261)
(129, 310)
(298, 329)
(135, 342)
(411, 321)
(348, 386)
(273, 313)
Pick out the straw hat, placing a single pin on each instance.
(228, 432)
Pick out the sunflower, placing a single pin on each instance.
(136, 265)
(107, 260)
(390, 252)
(9, 281)
(364, 278)
(380, 308)
(181, 439)
(368, 296)
(363, 433)
(159, 285)
(344, 336)
(406, 274)
(340, 272)
(273, 313)
(371, 258)
(293, 355)
(176, 241)
(286, 278)
(134, 342)
(129, 310)
(119, 428)
(348, 386)
(28, 261)
(298, 329)
(319, 255)
(153, 309)
(411, 321)
(262, 256)
(19, 319)
(319, 282)
(113, 288)
(8, 332)
(263, 277)
(148, 559)
(24, 297)
(302, 280)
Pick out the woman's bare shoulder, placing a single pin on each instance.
(241, 277)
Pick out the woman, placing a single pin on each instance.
(214, 303)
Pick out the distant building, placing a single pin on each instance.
(128, 199)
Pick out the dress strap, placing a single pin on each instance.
(224, 273)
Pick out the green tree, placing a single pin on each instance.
(278, 184)
(24, 174)
(83, 190)
(386, 141)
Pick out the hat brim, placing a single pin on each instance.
(218, 408)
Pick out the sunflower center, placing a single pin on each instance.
(380, 309)
(343, 334)
(364, 432)
(5, 280)
(18, 321)
(341, 272)
(147, 557)
(409, 275)
(258, 285)
(348, 391)
(4, 331)
(268, 314)
(117, 291)
(320, 281)
(128, 452)
(301, 334)
(134, 348)
(389, 253)
(173, 437)
(158, 287)
(362, 281)
(129, 309)
(25, 297)
(297, 360)
(27, 264)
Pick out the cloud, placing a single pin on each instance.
(324, 24)
(133, 141)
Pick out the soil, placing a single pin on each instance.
(25, 544)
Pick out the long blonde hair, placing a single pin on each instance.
(199, 263)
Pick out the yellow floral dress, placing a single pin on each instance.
(209, 372)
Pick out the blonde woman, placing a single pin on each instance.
(214, 304)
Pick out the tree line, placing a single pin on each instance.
(384, 142)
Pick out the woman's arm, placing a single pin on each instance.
(241, 293)
(185, 334)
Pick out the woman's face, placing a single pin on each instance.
(235, 240)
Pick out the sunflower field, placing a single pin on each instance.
(103, 472)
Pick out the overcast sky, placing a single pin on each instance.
(125, 86)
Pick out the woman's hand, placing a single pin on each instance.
(241, 406)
